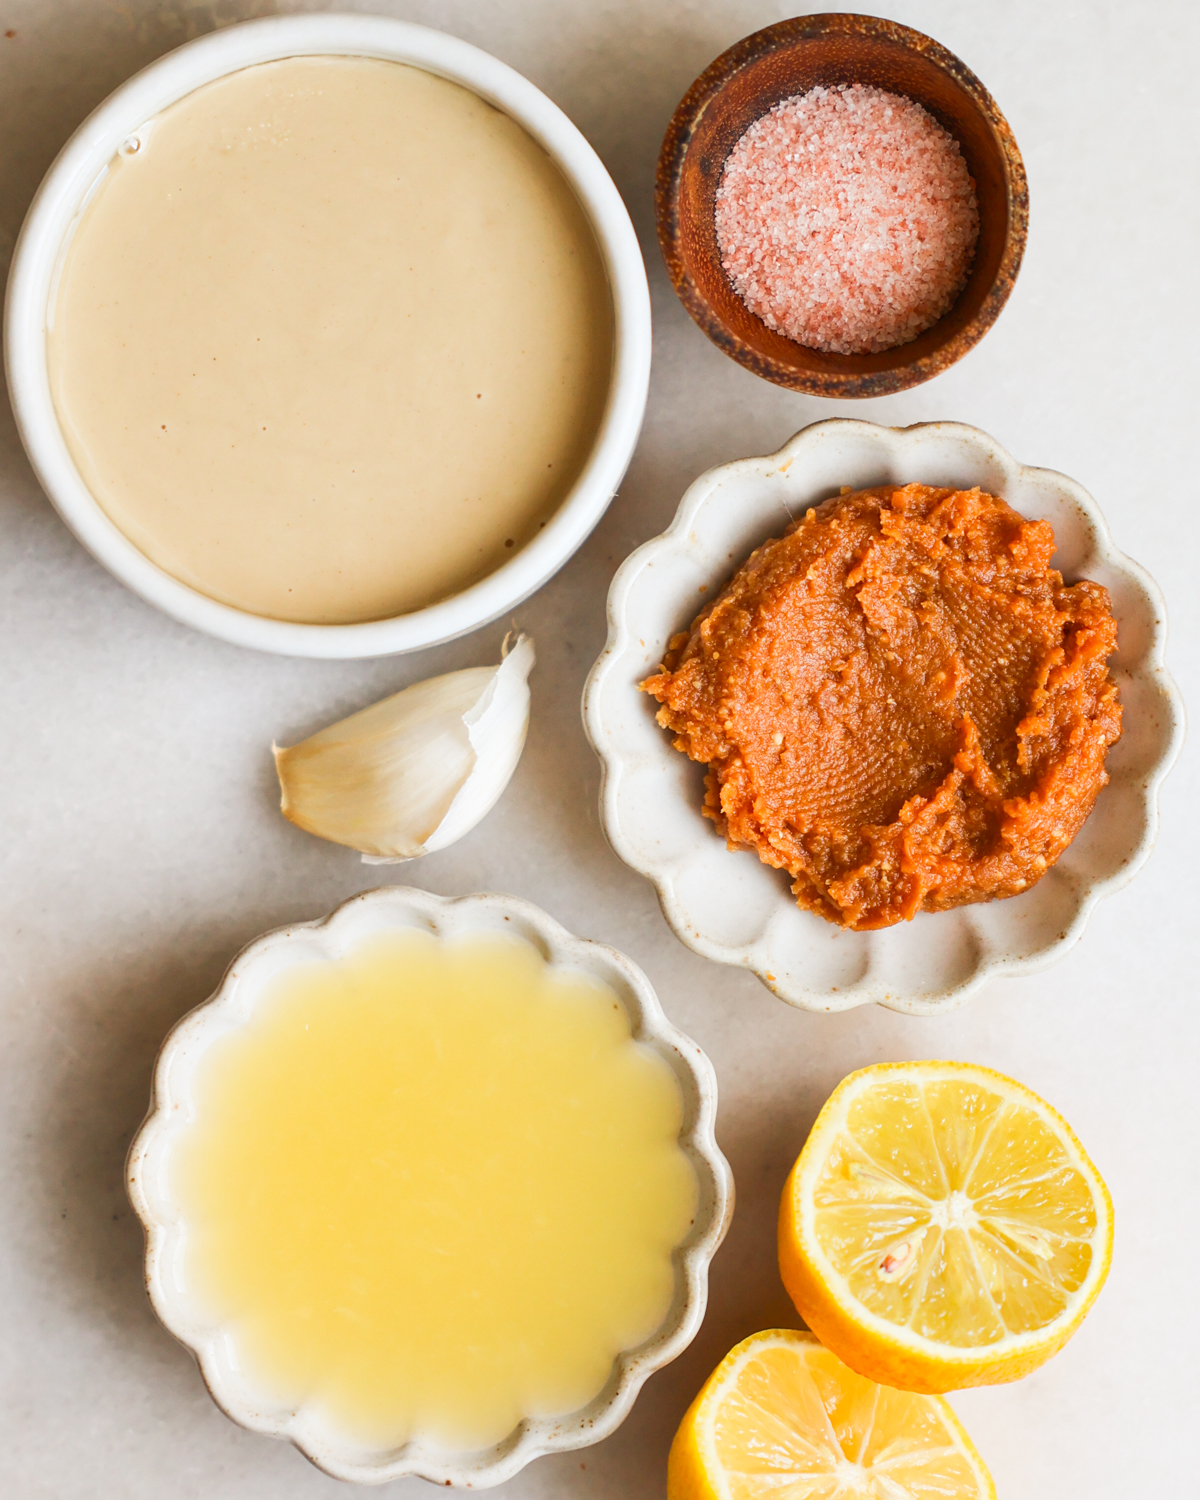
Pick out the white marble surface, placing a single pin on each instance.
(142, 846)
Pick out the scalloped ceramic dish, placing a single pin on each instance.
(391, 909)
(728, 906)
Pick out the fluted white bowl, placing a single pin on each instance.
(250, 974)
(730, 907)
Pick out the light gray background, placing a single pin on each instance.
(142, 846)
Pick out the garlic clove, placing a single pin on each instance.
(416, 771)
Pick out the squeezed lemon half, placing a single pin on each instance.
(781, 1418)
(942, 1227)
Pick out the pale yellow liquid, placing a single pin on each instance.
(334, 342)
(434, 1188)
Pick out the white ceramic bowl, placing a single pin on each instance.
(730, 907)
(66, 187)
(232, 1005)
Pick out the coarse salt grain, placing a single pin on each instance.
(847, 220)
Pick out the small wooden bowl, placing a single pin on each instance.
(790, 58)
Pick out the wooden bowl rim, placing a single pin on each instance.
(777, 37)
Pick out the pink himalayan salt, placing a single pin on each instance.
(847, 219)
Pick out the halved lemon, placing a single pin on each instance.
(781, 1418)
(942, 1227)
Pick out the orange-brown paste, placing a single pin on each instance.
(900, 703)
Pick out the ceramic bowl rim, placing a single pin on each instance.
(390, 908)
(624, 632)
(36, 260)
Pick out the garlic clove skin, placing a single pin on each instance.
(496, 727)
(415, 771)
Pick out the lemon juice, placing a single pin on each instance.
(433, 1188)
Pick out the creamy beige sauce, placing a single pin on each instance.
(333, 342)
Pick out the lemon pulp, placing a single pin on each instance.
(433, 1188)
(943, 1226)
(954, 1212)
(783, 1419)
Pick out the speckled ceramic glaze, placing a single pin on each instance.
(147, 1177)
(728, 906)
